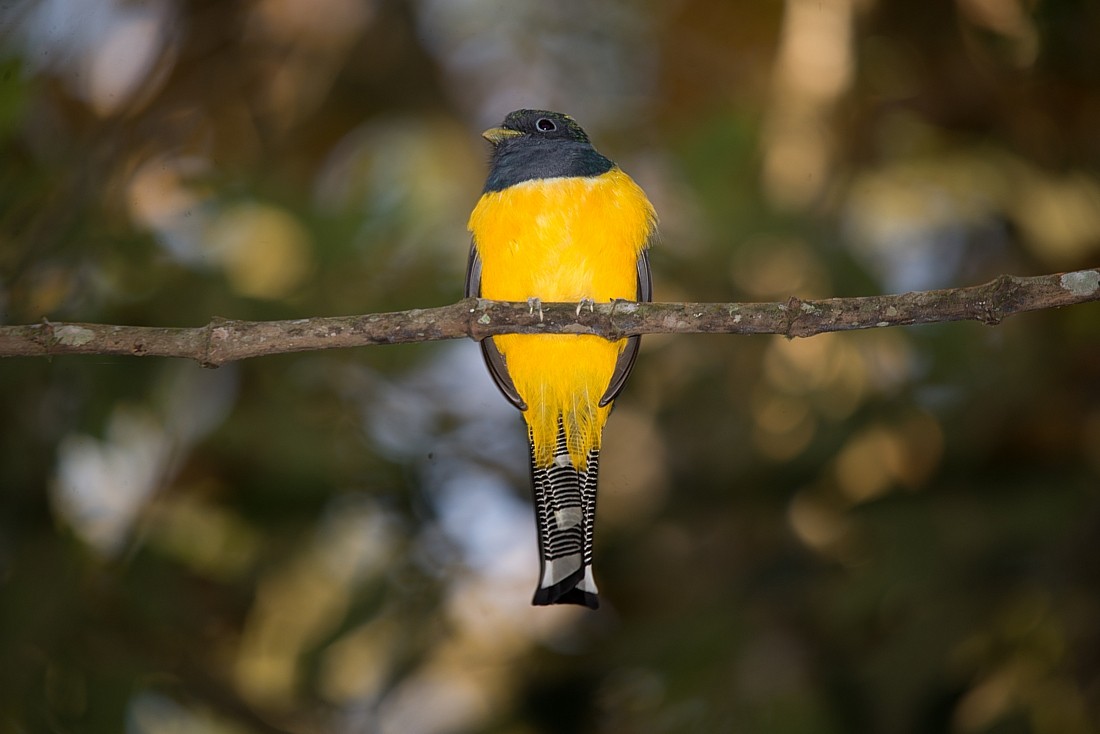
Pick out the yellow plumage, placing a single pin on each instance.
(562, 239)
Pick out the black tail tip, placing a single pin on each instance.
(573, 595)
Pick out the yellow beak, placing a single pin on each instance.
(497, 135)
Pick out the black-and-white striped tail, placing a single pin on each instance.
(565, 512)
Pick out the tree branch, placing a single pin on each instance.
(223, 340)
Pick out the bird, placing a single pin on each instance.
(559, 222)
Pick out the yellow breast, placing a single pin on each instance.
(562, 239)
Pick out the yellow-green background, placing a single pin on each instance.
(895, 531)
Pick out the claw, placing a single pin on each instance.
(534, 304)
(586, 302)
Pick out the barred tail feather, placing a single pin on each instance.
(565, 512)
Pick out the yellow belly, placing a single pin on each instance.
(562, 239)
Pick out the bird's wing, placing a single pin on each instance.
(494, 360)
(626, 358)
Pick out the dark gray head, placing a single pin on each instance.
(534, 144)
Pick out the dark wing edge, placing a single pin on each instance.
(494, 360)
(626, 359)
(473, 274)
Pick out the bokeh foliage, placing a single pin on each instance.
(895, 531)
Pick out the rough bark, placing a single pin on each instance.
(224, 340)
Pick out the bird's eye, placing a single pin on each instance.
(545, 125)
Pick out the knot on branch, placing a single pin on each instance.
(218, 331)
(47, 337)
(477, 320)
(991, 310)
(794, 311)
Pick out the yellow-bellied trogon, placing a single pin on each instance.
(557, 221)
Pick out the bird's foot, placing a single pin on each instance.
(586, 302)
(535, 304)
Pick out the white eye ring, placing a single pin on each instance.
(545, 125)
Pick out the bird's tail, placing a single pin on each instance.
(565, 512)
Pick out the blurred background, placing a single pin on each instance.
(894, 531)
